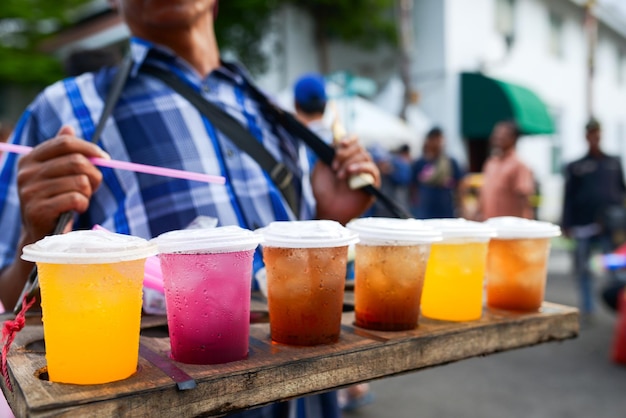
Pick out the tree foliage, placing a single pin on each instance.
(365, 22)
(240, 27)
(242, 23)
(23, 24)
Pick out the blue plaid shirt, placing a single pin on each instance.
(152, 124)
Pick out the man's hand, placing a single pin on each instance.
(56, 177)
(335, 199)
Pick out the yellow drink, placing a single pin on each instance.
(91, 315)
(453, 288)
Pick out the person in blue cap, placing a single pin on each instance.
(310, 99)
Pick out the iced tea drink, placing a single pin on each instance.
(453, 288)
(517, 263)
(305, 263)
(390, 266)
(207, 275)
(91, 300)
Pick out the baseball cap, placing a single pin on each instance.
(310, 92)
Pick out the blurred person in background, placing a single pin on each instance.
(152, 124)
(310, 100)
(435, 180)
(403, 166)
(395, 173)
(594, 198)
(508, 184)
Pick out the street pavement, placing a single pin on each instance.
(570, 379)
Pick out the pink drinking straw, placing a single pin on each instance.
(138, 168)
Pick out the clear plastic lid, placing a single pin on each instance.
(392, 231)
(307, 234)
(223, 239)
(511, 227)
(459, 228)
(88, 247)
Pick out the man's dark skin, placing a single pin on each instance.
(57, 175)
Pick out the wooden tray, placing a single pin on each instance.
(273, 372)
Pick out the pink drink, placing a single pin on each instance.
(208, 305)
(206, 278)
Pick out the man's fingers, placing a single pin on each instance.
(64, 145)
(48, 188)
(66, 130)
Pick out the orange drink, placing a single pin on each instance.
(453, 288)
(517, 263)
(305, 263)
(390, 264)
(91, 284)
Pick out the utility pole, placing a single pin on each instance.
(591, 31)
(405, 17)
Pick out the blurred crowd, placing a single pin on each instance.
(436, 185)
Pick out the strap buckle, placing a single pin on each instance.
(281, 175)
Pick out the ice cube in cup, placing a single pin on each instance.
(207, 275)
(305, 264)
(390, 264)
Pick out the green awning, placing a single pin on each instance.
(486, 101)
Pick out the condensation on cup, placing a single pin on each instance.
(305, 263)
(390, 265)
(517, 262)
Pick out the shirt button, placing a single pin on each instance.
(206, 88)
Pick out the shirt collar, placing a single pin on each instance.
(142, 50)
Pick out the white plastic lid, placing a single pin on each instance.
(88, 247)
(223, 239)
(392, 231)
(461, 228)
(511, 227)
(307, 234)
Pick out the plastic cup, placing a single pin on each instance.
(305, 263)
(390, 264)
(517, 263)
(453, 288)
(91, 303)
(207, 275)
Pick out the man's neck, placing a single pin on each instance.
(196, 44)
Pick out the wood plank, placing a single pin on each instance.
(275, 372)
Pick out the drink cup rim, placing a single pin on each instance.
(393, 231)
(454, 228)
(88, 247)
(307, 234)
(511, 227)
(223, 239)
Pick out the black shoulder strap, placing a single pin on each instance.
(229, 126)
